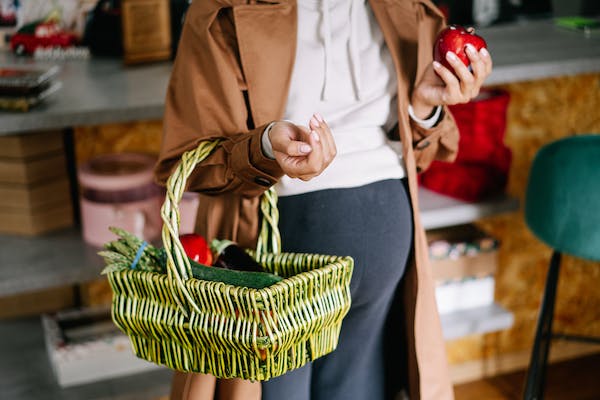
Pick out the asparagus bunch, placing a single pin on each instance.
(122, 253)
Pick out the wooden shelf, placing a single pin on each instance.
(439, 211)
(474, 321)
(36, 263)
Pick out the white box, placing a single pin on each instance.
(85, 346)
(464, 294)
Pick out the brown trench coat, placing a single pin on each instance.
(231, 78)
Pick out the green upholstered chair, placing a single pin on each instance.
(562, 209)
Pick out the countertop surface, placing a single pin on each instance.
(98, 91)
(530, 50)
(94, 91)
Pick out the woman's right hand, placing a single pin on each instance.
(303, 152)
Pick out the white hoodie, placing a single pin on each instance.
(344, 71)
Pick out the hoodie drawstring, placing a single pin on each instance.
(353, 47)
(326, 37)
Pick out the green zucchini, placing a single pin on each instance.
(251, 279)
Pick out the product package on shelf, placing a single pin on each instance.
(463, 262)
(23, 87)
(85, 346)
(35, 195)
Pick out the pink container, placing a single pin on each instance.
(118, 190)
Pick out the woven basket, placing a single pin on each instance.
(192, 325)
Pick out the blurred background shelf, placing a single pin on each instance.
(486, 319)
(55, 259)
(439, 211)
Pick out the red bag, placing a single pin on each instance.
(483, 161)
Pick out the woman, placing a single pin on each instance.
(314, 97)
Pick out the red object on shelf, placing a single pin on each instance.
(42, 35)
(483, 161)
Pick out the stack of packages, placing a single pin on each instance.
(22, 88)
(35, 195)
(463, 262)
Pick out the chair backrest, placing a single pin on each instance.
(562, 202)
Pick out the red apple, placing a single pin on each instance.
(196, 248)
(455, 38)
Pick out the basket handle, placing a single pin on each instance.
(178, 264)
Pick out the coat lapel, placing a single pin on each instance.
(266, 34)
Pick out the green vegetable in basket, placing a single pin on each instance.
(251, 279)
(130, 252)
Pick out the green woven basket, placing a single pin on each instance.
(228, 331)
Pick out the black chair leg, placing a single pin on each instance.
(536, 374)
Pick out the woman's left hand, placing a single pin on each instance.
(440, 86)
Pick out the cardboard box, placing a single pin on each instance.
(461, 252)
(35, 192)
(30, 145)
(29, 197)
(85, 346)
(462, 295)
(36, 221)
(28, 171)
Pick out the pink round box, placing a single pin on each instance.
(119, 190)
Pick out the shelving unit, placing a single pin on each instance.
(439, 211)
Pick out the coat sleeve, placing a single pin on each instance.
(441, 141)
(206, 99)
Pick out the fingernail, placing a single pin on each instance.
(304, 148)
(484, 52)
(314, 121)
(315, 136)
(451, 55)
(319, 117)
(437, 65)
(471, 49)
